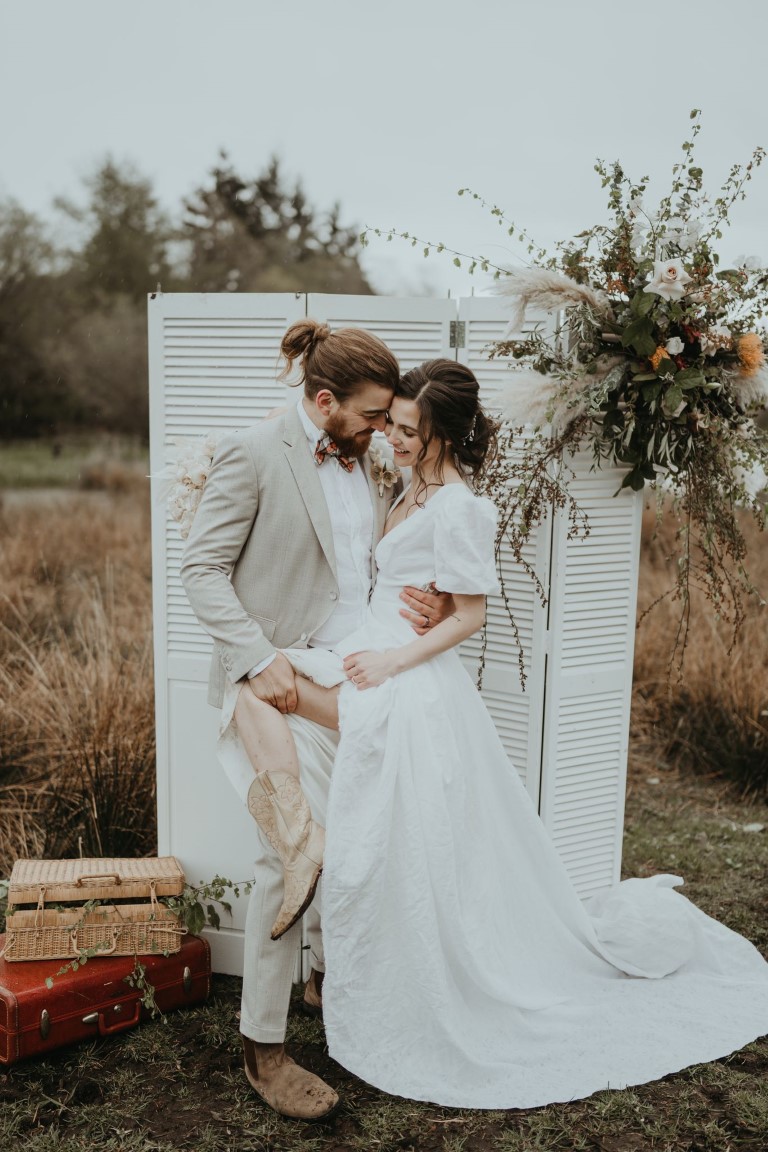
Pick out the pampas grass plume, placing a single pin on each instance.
(548, 291)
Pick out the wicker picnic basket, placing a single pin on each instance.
(58, 909)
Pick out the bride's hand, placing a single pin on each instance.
(369, 669)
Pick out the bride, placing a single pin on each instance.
(461, 966)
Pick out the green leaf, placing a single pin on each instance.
(634, 480)
(651, 391)
(48, 982)
(672, 400)
(195, 918)
(642, 303)
(213, 916)
(690, 378)
(638, 336)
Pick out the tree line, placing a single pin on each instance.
(73, 344)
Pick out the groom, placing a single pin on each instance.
(280, 555)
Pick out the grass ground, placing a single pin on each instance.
(179, 1085)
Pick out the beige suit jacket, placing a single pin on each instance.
(259, 567)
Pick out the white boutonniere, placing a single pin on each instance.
(384, 471)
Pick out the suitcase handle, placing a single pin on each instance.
(120, 1024)
(105, 876)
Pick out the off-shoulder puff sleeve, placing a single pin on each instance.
(465, 531)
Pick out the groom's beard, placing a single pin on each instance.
(354, 445)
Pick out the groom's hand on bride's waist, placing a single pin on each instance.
(425, 607)
(276, 685)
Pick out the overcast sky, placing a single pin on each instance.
(389, 107)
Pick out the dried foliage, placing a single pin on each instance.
(714, 721)
(77, 762)
(655, 360)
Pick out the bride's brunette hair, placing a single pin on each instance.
(448, 398)
(339, 361)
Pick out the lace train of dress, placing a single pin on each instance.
(462, 968)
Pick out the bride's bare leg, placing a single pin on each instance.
(265, 734)
(318, 704)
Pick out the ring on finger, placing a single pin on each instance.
(426, 620)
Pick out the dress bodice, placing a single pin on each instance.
(449, 541)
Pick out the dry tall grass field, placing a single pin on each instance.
(77, 758)
(76, 695)
(711, 718)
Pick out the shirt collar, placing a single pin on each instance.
(313, 433)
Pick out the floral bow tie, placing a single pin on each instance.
(326, 448)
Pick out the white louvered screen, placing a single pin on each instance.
(593, 596)
(415, 329)
(213, 367)
(213, 364)
(215, 359)
(486, 319)
(518, 711)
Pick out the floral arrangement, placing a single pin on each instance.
(187, 475)
(655, 360)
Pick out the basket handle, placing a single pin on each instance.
(105, 876)
(101, 951)
(40, 906)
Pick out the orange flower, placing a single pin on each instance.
(659, 355)
(750, 352)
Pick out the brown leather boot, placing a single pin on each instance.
(286, 1087)
(280, 808)
(312, 1003)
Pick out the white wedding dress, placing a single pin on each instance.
(461, 966)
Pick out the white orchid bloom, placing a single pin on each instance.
(668, 280)
(674, 346)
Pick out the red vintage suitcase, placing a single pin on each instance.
(95, 1000)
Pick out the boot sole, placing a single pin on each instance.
(307, 901)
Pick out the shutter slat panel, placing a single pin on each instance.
(592, 610)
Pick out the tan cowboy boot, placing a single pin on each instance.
(285, 1086)
(280, 808)
(312, 1002)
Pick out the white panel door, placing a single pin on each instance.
(593, 597)
(518, 711)
(213, 363)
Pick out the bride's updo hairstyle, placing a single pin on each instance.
(339, 361)
(448, 398)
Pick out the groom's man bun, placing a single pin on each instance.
(340, 361)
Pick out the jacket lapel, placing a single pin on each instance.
(310, 489)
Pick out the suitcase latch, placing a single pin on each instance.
(45, 1023)
(186, 980)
